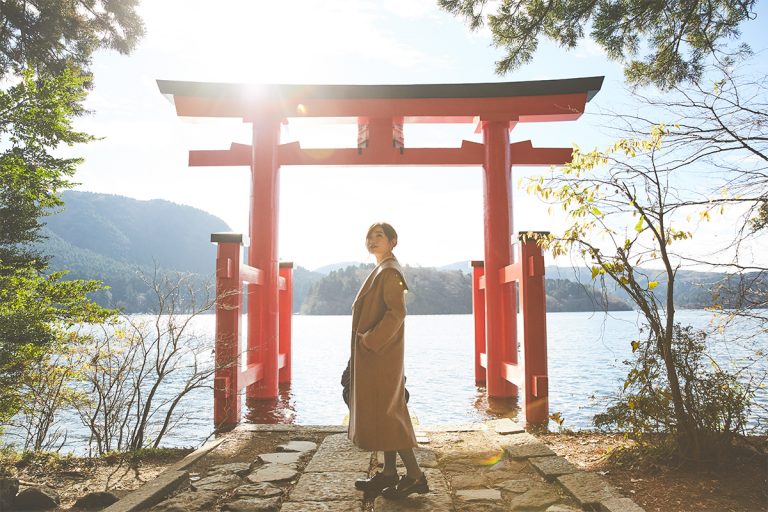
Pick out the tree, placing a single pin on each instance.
(45, 49)
(53, 36)
(680, 35)
(667, 389)
(136, 374)
(35, 118)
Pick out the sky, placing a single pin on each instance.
(324, 211)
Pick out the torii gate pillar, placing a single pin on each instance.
(499, 298)
(263, 316)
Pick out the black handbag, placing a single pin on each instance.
(346, 383)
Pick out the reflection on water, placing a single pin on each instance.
(277, 410)
(490, 408)
(282, 410)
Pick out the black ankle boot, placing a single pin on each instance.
(376, 483)
(405, 487)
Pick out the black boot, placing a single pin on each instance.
(406, 486)
(376, 483)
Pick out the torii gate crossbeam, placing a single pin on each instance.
(380, 112)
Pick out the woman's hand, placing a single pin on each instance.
(361, 340)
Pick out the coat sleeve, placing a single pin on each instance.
(394, 288)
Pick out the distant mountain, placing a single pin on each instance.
(115, 239)
(135, 232)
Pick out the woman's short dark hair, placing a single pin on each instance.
(389, 231)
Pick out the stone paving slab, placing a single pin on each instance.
(337, 442)
(322, 506)
(331, 486)
(524, 446)
(272, 473)
(186, 501)
(552, 467)
(324, 461)
(478, 494)
(506, 426)
(620, 505)
(297, 446)
(238, 468)
(588, 488)
(253, 505)
(537, 498)
(281, 457)
(218, 482)
(438, 499)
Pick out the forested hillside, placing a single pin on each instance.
(116, 239)
(432, 291)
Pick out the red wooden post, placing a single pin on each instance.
(286, 316)
(262, 254)
(229, 296)
(497, 195)
(533, 306)
(478, 311)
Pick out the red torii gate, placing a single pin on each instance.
(380, 112)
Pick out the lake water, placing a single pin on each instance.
(585, 354)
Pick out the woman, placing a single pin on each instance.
(378, 415)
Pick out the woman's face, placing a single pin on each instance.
(378, 243)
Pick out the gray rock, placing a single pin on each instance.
(535, 498)
(8, 489)
(218, 483)
(260, 490)
(588, 488)
(272, 473)
(96, 500)
(297, 446)
(334, 486)
(620, 505)
(238, 468)
(479, 494)
(516, 486)
(322, 506)
(552, 467)
(254, 505)
(188, 501)
(281, 457)
(36, 498)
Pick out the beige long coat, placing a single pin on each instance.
(378, 415)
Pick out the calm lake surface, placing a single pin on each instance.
(585, 354)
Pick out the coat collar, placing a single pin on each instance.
(390, 262)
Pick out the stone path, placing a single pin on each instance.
(486, 467)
